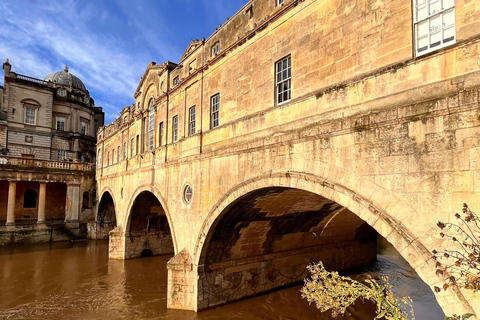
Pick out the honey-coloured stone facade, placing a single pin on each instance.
(372, 137)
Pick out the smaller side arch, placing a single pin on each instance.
(112, 194)
(106, 216)
(149, 188)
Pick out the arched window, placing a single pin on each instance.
(151, 124)
(30, 198)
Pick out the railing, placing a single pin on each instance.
(30, 79)
(37, 163)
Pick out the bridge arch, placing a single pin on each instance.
(148, 223)
(106, 216)
(378, 207)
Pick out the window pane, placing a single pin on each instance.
(448, 4)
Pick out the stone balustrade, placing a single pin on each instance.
(37, 163)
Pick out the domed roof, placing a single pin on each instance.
(67, 79)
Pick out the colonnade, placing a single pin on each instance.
(72, 206)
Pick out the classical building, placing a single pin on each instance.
(47, 155)
(296, 132)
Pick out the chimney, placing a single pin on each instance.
(7, 67)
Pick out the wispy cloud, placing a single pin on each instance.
(107, 44)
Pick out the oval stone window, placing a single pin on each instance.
(187, 193)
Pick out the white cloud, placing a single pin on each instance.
(107, 44)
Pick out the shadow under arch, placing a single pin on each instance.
(106, 216)
(148, 224)
(378, 207)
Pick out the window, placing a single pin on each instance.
(280, 2)
(30, 198)
(136, 145)
(191, 122)
(86, 200)
(175, 129)
(124, 150)
(187, 193)
(145, 133)
(60, 123)
(434, 24)
(192, 66)
(215, 48)
(161, 86)
(113, 156)
(175, 81)
(30, 115)
(61, 155)
(99, 153)
(108, 158)
(160, 133)
(151, 126)
(214, 111)
(131, 147)
(84, 127)
(118, 154)
(283, 80)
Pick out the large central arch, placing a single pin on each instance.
(376, 206)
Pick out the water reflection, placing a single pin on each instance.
(77, 281)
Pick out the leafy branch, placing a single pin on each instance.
(330, 291)
(460, 265)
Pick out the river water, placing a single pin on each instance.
(75, 280)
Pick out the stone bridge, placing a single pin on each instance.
(244, 207)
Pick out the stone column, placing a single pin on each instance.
(72, 207)
(41, 204)
(182, 282)
(12, 189)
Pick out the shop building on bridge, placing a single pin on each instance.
(288, 136)
(47, 156)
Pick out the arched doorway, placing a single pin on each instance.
(106, 216)
(265, 239)
(148, 231)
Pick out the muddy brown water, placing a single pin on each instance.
(77, 281)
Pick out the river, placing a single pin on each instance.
(75, 280)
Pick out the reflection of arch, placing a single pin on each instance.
(30, 198)
(161, 200)
(373, 204)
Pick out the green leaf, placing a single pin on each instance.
(467, 315)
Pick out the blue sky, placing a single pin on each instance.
(107, 44)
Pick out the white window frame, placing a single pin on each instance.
(84, 127)
(191, 121)
(174, 129)
(176, 81)
(283, 80)
(151, 126)
(433, 25)
(29, 118)
(215, 111)
(61, 155)
(215, 48)
(280, 2)
(59, 121)
(160, 134)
